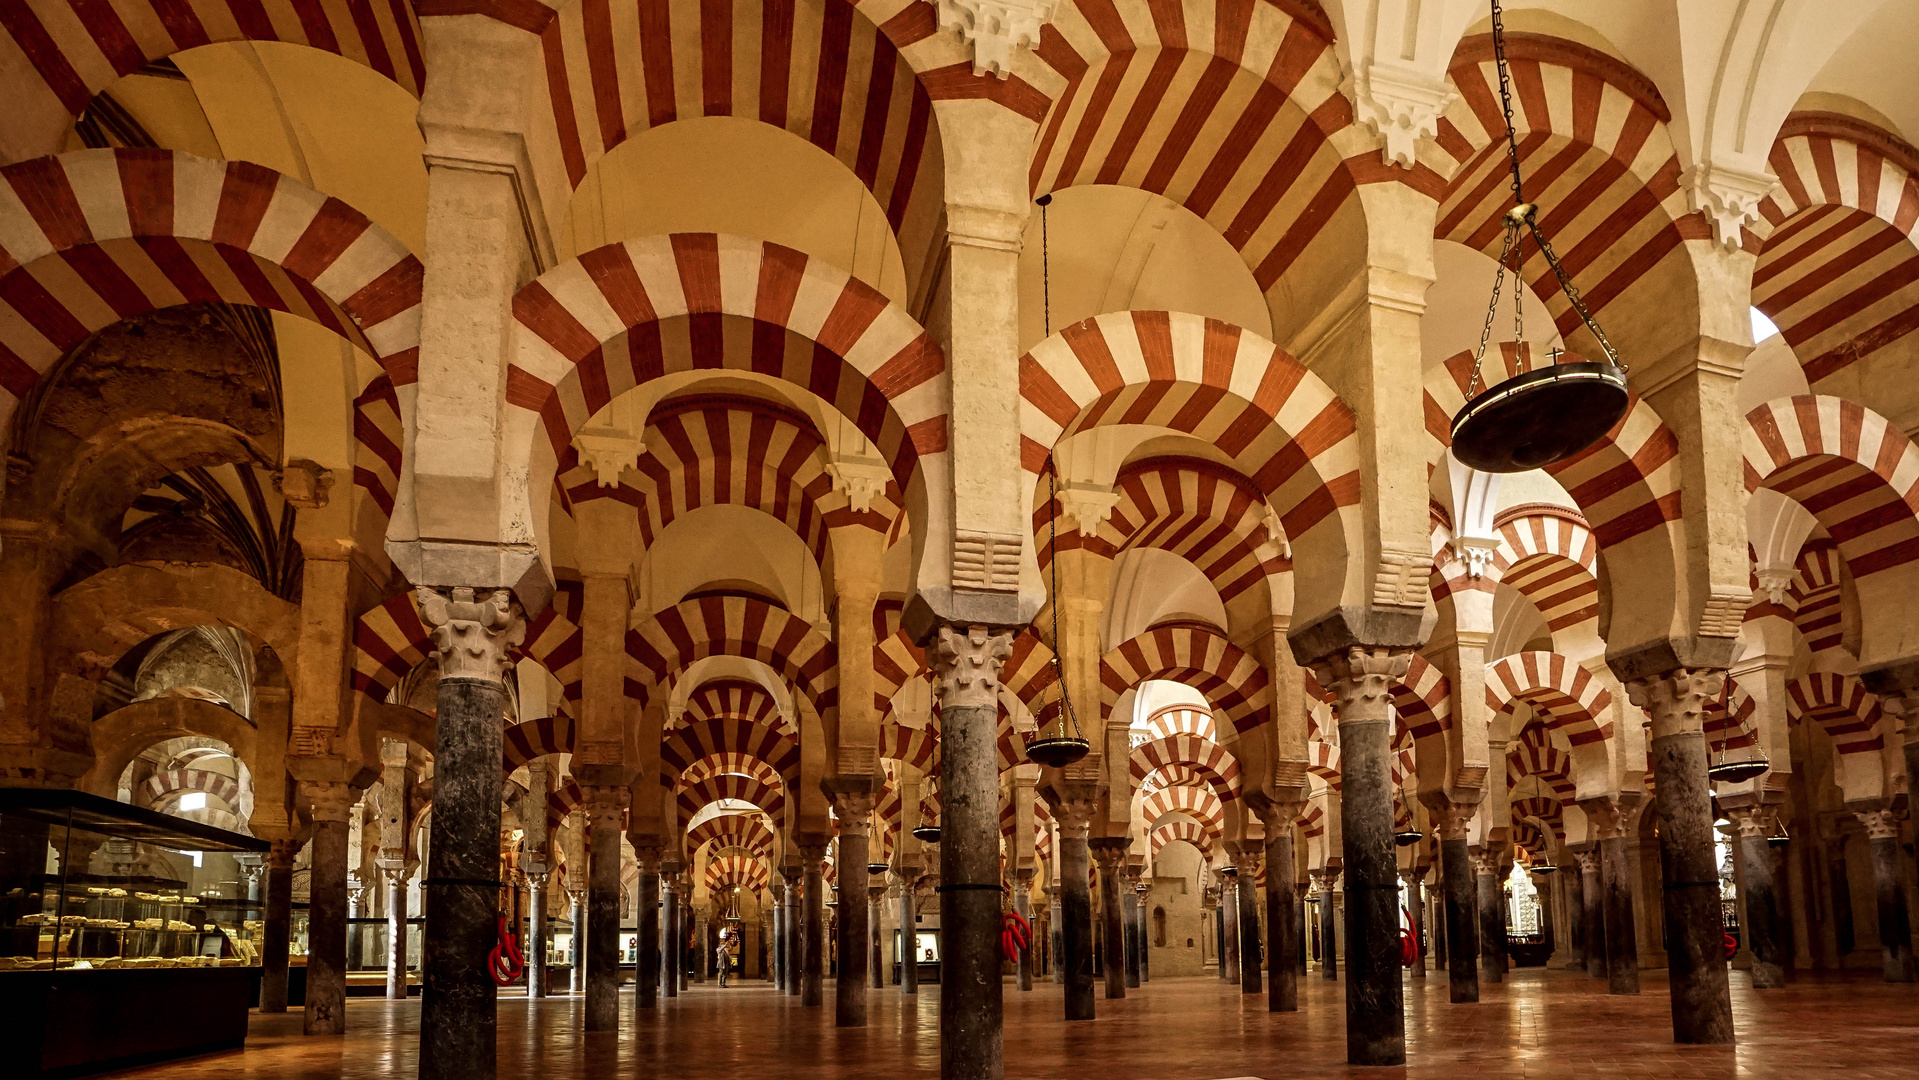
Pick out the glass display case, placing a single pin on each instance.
(125, 934)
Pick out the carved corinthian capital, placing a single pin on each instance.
(330, 801)
(966, 666)
(1880, 824)
(1361, 678)
(473, 630)
(1676, 701)
(1452, 819)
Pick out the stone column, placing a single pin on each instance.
(1023, 907)
(473, 631)
(1764, 929)
(966, 663)
(1462, 901)
(876, 949)
(1412, 876)
(395, 930)
(1145, 934)
(853, 804)
(277, 933)
(813, 928)
(795, 936)
(778, 901)
(536, 933)
(702, 956)
(1055, 935)
(1592, 893)
(327, 907)
(1110, 853)
(1895, 928)
(1130, 936)
(909, 939)
(1282, 908)
(1695, 947)
(576, 914)
(1075, 906)
(1229, 925)
(1328, 923)
(1249, 858)
(646, 966)
(1492, 918)
(684, 918)
(1361, 678)
(605, 809)
(1607, 819)
(1548, 913)
(672, 934)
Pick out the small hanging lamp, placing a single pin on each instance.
(926, 832)
(1546, 414)
(1407, 837)
(1722, 771)
(1055, 751)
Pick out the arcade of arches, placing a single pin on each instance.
(647, 470)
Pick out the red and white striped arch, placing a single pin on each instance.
(555, 641)
(1223, 109)
(1838, 268)
(1818, 596)
(1732, 720)
(747, 831)
(1550, 811)
(388, 642)
(1174, 720)
(1189, 831)
(378, 435)
(895, 661)
(1854, 472)
(1571, 700)
(691, 630)
(626, 314)
(174, 783)
(1533, 754)
(1841, 706)
(1207, 515)
(96, 236)
(1211, 761)
(697, 794)
(916, 747)
(531, 739)
(1424, 702)
(59, 53)
(1283, 426)
(823, 70)
(1552, 558)
(1231, 681)
(1322, 760)
(747, 871)
(722, 764)
(1598, 160)
(1195, 801)
(731, 736)
(736, 699)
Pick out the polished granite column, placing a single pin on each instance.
(646, 967)
(1764, 939)
(1110, 853)
(1282, 908)
(1248, 899)
(277, 928)
(853, 799)
(396, 877)
(1592, 899)
(1895, 927)
(909, 936)
(1462, 901)
(327, 907)
(1023, 907)
(813, 926)
(605, 807)
(1492, 918)
(536, 933)
(1076, 907)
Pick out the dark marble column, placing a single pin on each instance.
(395, 930)
(778, 889)
(536, 934)
(646, 965)
(1023, 907)
(1760, 891)
(966, 663)
(1492, 918)
(1328, 924)
(1462, 903)
(1282, 909)
(576, 914)
(1412, 877)
(277, 933)
(606, 807)
(684, 890)
(875, 945)
(1622, 932)
(1129, 935)
(1247, 899)
(1076, 907)
(909, 937)
(1689, 865)
(813, 926)
(795, 928)
(327, 907)
(1895, 928)
(1145, 933)
(702, 955)
(672, 932)
(1229, 925)
(1592, 908)
(1110, 853)
(853, 800)
(473, 631)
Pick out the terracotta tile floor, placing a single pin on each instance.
(1537, 1024)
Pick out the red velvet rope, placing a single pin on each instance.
(1014, 935)
(505, 962)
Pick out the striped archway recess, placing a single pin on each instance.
(1207, 515)
(1172, 720)
(565, 799)
(1190, 832)
(1223, 109)
(723, 764)
(748, 831)
(1322, 760)
(1568, 697)
(733, 738)
(378, 434)
(556, 642)
(1282, 426)
(915, 747)
(1533, 754)
(747, 871)
(1552, 558)
(1857, 475)
(1212, 762)
(1838, 270)
(74, 50)
(176, 782)
(1312, 821)
(710, 450)
(1199, 656)
(1732, 719)
(895, 660)
(825, 71)
(1194, 800)
(1598, 157)
(1423, 703)
(96, 236)
(1625, 485)
(697, 795)
(1841, 706)
(1528, 837)
(734, 699)
(388, 642)
(1550, 811)
(1009, 820)
(626, 314)
(1818, 596)
(531, 739)
(691, 630)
